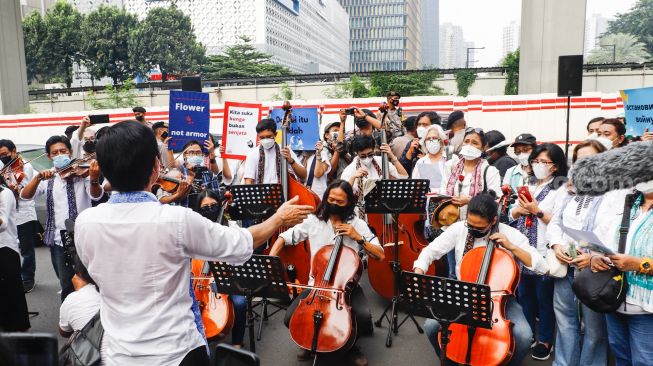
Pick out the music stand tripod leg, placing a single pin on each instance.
(250, 321)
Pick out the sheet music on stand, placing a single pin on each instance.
(401, 195)
(255, 201)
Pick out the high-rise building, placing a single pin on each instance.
(510, 38)
(384, 34)
(430, 31)
(28, 6)
(87, 6)
(595, 26)
(307, 36)
(453, 48)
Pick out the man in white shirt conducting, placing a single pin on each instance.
(138, 251)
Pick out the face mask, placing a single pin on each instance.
(6, 160)
(360, 123)
(523, 158)
(645, 187)
(395, 102)
(605, 142)
(433, 146)
(593, 136)
(457, 140)
(210, 212)
(195, 160)
(267, 143)
(140, 118)
(478, 233)
(61, 161)
(469, 152)
(367, 161)
(421, 131)
(541, 171)
(89, 146)
(336, 209)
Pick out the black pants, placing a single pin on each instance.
(196, 357)
(63, 270)
(13, 307)
(27, 239)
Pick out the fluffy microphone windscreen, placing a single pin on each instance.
(619, 168)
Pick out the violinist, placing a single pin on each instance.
(26, 220)
(65, 199)
(335, 216)
(479, 227)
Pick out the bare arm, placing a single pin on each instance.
(289, 214)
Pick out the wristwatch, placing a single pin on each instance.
(361, 242)
(539, 214)
(645, 266)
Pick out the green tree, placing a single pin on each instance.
(33, 34)
(61, 44)
(285, 93)
(105, 43)
(626, 48)
(242, 60)
(166, 39)
(638, 22)
(407, 84)
(355, 87)
(464, 80)
(511, 63)
(116, 96)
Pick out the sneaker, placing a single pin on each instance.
(533, 343)
(356, 357)
(541, 352)
(28, 286)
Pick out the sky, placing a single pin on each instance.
(483, 21)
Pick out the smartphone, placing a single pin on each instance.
(164, 135)
(350, 111)
(99, 118)
(523, 191)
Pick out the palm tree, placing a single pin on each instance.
(619, 48)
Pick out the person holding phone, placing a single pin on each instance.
(532, 213)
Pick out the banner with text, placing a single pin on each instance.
(304, 130)
(189, 118)
(638, 107)
(239, 128)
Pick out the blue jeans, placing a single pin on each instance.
(451, 259)
(535, 295)
(631, 338)
(240, 318)
(521, 331)
(573, 346)
(64, 272)
(27, 239)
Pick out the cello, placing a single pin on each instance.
(497, 268)
(297, 256)
(411, 236)
(323, 321)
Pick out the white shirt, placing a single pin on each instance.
(26, 208)
(8, 230)
(319, 183)
(79, 308)
(270, 169)
(350, 170)
(139, 255)
(456, 235)
(425, 168)
(321, 233)
(492, 178)
(82, 188)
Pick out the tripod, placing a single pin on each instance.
(395, 197)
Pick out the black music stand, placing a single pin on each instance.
(255, 201)
(447, 301)
(396, 197)
(262, 275)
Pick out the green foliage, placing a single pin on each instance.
(626, 49)
(166, 39)
(285, 93)
(241, 60)
(511, 63)
(464, 80)
(355, 87)
(60, 48)
(118, 96)
(638, 22)
(33, 33)
(407, 84)
(105, 43)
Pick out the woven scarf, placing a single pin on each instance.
(261, 164)
(360, 202)
(640, 289)
(48, 235)
(476, 186)
(531, 232)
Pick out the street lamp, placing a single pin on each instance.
(614, 51)
(471, 48)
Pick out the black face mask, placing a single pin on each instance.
(6, 159)
(360, 123)
(89, 146)
(140, 118)
(336, 209)
(210, 212)
(478, 233)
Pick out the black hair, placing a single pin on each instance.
(593, 120)
(138, 109)
(557, 156)
(362, 122)
(82, 272)
(495, 137)
(323, 213)
(410, 123)
(190, 143)
(99, 133)
(483, 205)
(619, 127)
(8, 144)
(434, 117)
(362, 142)
(126, 154)
(478, 132)
(58, 139)
(266, 124)
(69, 131)
(157, 125)
(204, 194)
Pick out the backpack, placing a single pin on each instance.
(83, 347)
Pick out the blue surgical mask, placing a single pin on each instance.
(61, 160)
(195, 160)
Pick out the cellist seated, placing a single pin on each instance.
(475, 232)
(335, 216)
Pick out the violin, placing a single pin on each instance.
(497, 268)
(76, 167)
(13, 171)
(170, 181)
(323, 321)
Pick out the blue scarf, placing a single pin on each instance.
(640, 286)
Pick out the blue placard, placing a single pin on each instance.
(303, 133)
(189, 118)
(638, 107)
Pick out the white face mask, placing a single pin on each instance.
(605, 142)
(541, 171)
(433, 146)
(523, 158)
(267, 143)
(645, 187)
(421, 131)
(469, 152)
(367, 161)
(593, 136)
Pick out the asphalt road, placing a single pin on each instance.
(276, 346)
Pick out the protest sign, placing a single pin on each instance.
(638, 107)
(189, 118)
(239, 129)
(303, 132)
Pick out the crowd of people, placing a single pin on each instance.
(139, 205)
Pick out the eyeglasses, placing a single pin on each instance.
(472, 129)
(431, 139)
(535, 161)
(363, 156)
(193, 153)
(467, 225)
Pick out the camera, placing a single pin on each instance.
(350, 111)
(334, 137)
(164, 135)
